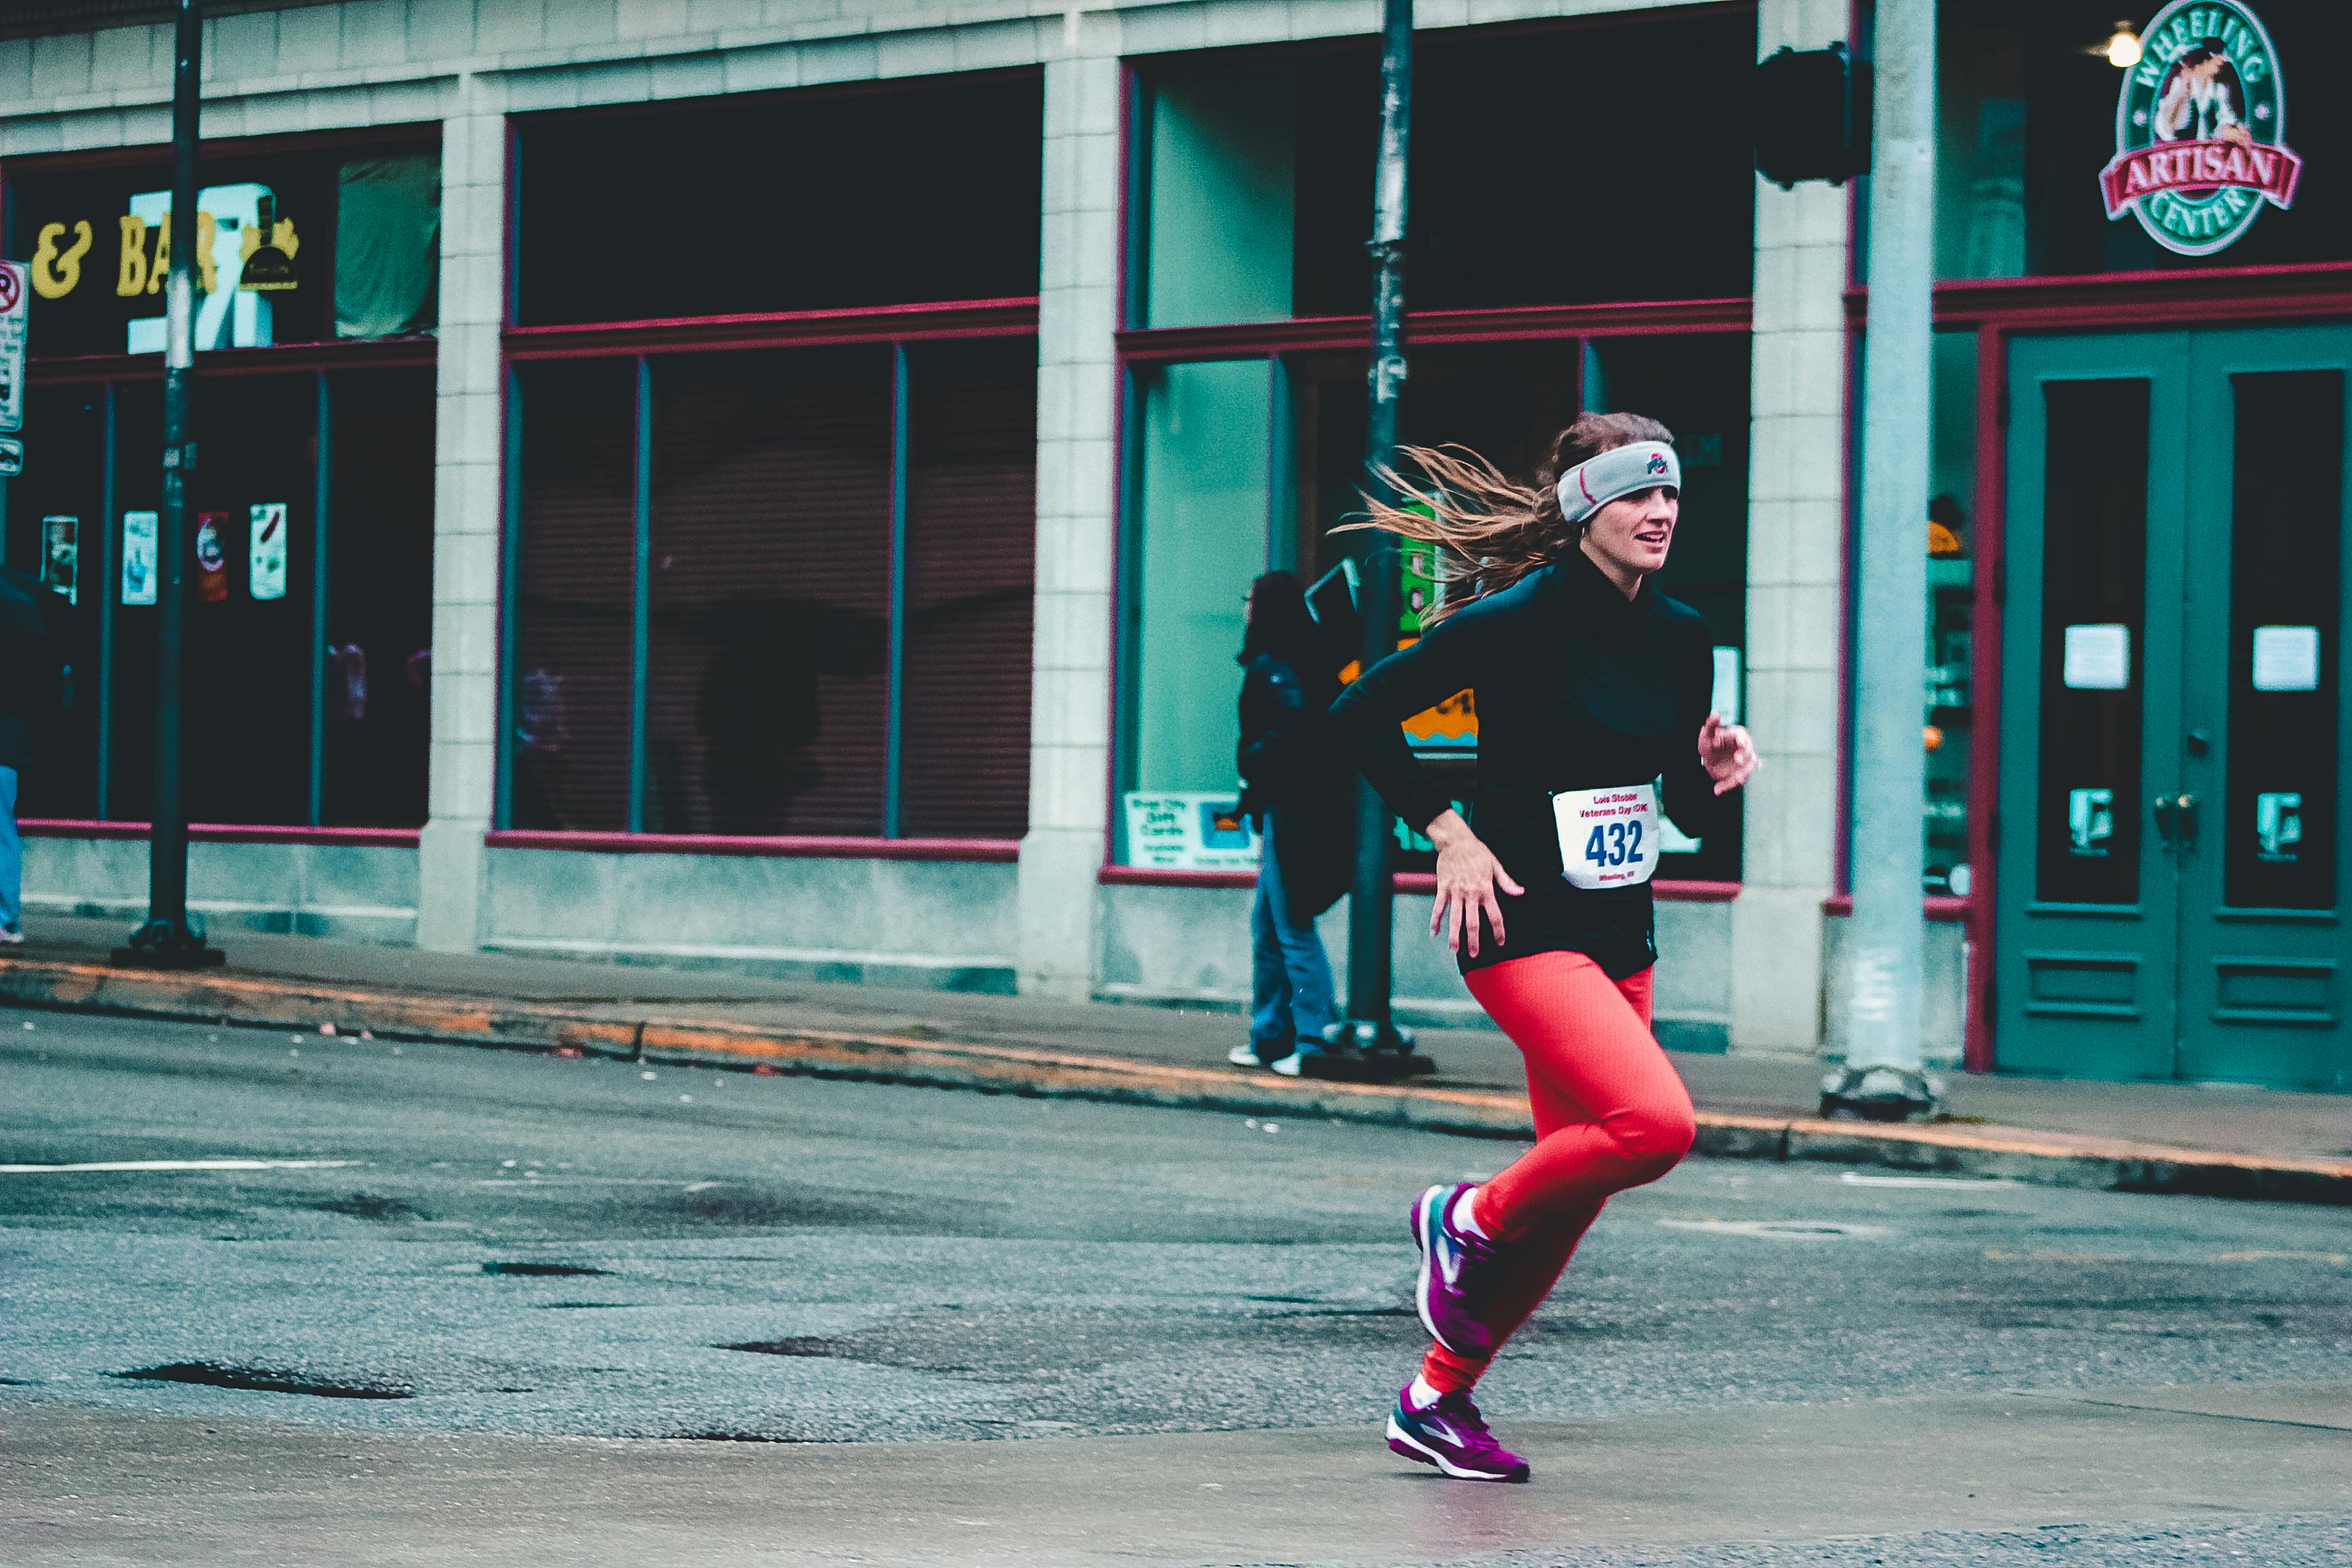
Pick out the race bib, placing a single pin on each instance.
(1608, 838)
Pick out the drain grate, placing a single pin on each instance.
(262, 1379)
(734, 1437)
(811, 1347)
(544, 1271)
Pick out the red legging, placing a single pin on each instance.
(1610, 1111)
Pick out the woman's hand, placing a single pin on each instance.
(1728, 752)
(1467, 876)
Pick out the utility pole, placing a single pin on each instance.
(168, 941)
(1884, 1077)
(1367, 1043)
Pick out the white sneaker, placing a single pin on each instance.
(1294, 1064)
(11, 938)
(1245, 1056)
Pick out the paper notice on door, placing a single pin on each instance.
(138, 557)
(2098, 658)
(2286, 658)
(266, 572)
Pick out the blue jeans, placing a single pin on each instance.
(1290, 977)
(11, 854)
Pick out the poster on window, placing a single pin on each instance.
(61, 557)
(212, 557)
(267, 573)
(1187, 830)
(138, 557)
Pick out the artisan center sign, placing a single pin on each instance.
(2200, 130)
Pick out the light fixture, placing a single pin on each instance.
(2123, 49)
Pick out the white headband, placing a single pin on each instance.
(1618, 471)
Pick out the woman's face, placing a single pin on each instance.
(1632, 534)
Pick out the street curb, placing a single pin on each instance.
(2048, 1158)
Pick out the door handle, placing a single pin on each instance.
(2164, 807)
(2185, 820)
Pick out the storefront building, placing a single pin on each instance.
(776, 486)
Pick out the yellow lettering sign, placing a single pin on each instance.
(160, 267)
(205, 228)
(55, 271)
(131, 277)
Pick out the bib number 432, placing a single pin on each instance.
(1615, 844)
(1608, 838)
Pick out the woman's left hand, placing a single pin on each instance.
(1728, 752)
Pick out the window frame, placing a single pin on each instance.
(322, 360)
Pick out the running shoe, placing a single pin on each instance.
(1246, 1056)
(1452, 1289)
(1452, 1435)
(11, 938)
(1295, 1064)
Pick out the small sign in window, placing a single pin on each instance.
(2098, 658)
(2286, 658)
(2090, 821)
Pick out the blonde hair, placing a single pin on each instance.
(1492, 529)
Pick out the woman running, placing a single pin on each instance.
(1590, 685)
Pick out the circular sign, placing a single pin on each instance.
(9, 288)
(2201, 128)
(209, 554)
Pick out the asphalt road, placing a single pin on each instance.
(501, 1308)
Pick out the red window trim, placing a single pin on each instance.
(1943, 909)
(2192, 297)
(222, 832)
(950, 318)
(420, 351)
(1000, 851)
(1515, 324)
(1671, 891)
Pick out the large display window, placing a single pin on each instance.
(308, 658)
(772, 543)
(1255, 171)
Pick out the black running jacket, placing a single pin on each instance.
(1578, 688)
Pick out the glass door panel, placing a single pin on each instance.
(2093, 636)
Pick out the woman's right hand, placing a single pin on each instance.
(1468, 876)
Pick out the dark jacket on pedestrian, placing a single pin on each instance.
(1293, 768)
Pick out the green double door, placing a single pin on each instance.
(2172, 822)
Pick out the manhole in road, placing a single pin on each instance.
(262, 1380)
(1780, 1229)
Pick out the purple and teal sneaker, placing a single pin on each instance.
(1451, 1291)
(1452, 1435)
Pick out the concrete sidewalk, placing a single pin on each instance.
(2225, 1139)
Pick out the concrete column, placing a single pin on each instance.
(1069, 716)
(465, 519)
(1795, 525)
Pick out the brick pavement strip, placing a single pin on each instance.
(2054, 1158)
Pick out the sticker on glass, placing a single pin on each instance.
(138, 557)
(61, 557)
(2278, 824)
(268, 558)
(2090, 821)
(2286, 658)
(211, 558)
(2098, 658)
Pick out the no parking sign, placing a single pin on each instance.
(12, 346)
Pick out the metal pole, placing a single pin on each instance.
(1883, 1077)
(167, 940)
(1369, 1027)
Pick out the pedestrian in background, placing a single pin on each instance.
(27, 683)
(1296, 784)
